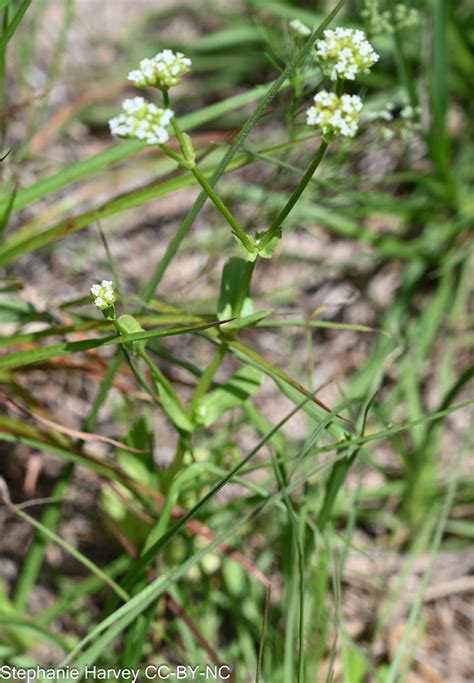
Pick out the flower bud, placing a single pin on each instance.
(163, 71)
(103, 295)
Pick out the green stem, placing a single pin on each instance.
(171, 153)
(3, 121)
(219, 204)
(206, 378)
(201, 178)
(158, 376)
(176, 466)
(174, 122)
(403, 67)
(286, 210)
(230, 154)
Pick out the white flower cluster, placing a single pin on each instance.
(384, 113)
(344, 53)
(104, 295)
(410, 122)
(143, 120)
(162, 71)
(334, 114)
(381, 20)
(299, 29)
(405, 16)
(409, 112)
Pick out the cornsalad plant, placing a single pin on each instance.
(226, 554)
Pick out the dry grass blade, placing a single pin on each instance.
(74, 433)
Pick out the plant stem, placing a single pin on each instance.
(171, 153)
(276, 225)
(206, 378)
(403, 66)
(3, 121)
(176, 466)
(219, 204)
(202, 180)
(298, 191)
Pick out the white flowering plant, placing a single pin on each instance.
(385, 16)
(344, 53)
(234, 324)
(333, 114)
(163, 71)
(299, 29)
(103, 295)
(142, 120)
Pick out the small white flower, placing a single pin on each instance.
(387, 133)
(344, 53)
(103, 294)
(378, 19)
(410, 123)
(333, 114)
(407, 112)
(385, 113)
(300, 29)
(143, 120)
(405, 17)
(161, 71)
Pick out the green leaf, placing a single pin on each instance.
(43, 353)
(231, 282)
(5, 216)
(249, 254)
(173, 408)
(13, 25)
(16, 311)
(127, 324)
(20, 629)
(68, 548)
(170, 401)
(292, 389)
(247, 320)
(118, 501)
(268, 249)
(354, 663)
(243, 384)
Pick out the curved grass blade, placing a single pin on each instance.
(21, 358)
(67, 547)
(13, 25)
